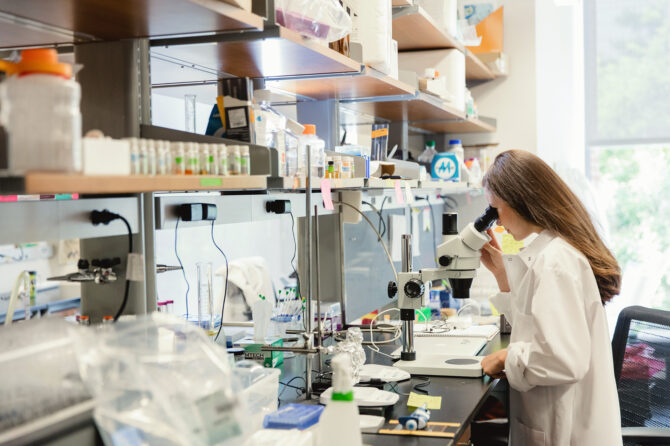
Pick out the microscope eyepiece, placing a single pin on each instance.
(486, 220)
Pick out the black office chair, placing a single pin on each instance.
(641, 351)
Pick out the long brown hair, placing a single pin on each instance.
(532, 188)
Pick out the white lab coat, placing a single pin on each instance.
(559, 360)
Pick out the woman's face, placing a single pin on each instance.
(514, 224)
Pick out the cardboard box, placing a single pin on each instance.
(252, 350)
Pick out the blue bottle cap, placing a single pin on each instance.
(454, 142)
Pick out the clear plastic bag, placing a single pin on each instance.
(352, 346)
(159, 380)
(38, 372)
(321, 19)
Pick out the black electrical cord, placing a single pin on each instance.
(295, 271)
(449, 202)
(183, 272)
(379, 213)
(287, 385)
(130, 250)
(105, 217)
(225, 287)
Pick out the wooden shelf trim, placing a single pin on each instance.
(49, 183)
(414, 29)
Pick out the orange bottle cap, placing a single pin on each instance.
(310, 129)
(39, 61)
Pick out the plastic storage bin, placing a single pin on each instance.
(260, 390)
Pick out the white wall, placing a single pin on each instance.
(560, 83)
(513, 100)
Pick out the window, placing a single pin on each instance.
(627, 61)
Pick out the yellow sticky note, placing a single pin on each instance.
(509, 245)
(432, 402)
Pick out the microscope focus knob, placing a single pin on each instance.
(445, 260)
(414, 288)
(392, 289)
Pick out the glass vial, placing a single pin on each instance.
(205, 319)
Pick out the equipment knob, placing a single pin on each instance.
(82, 264)
(445, 260)
(414, 288)
(392, 289)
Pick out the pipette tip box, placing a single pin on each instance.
(293, 416)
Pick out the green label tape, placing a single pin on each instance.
(211, 181)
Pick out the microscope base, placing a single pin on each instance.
(443, 365)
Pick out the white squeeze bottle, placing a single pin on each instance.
(340, 421)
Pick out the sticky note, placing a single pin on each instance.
(408, 194)
(398, 193)
(325, 194)
(432, 402)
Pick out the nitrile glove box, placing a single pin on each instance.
(252, 350)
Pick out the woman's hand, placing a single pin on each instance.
(494, 364)
(493, 261)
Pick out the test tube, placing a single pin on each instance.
(205, 295)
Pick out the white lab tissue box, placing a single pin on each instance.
(106, 156)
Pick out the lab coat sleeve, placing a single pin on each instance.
(559, 349)
(503, 303)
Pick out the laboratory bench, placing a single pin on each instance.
(462, 398)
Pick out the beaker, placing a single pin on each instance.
(205, 303)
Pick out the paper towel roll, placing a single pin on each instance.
(374, 30)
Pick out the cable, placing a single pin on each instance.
(372, 341)
(288, 384)
(388, 255)
(130, 250)
(297, 276)
(188, 286)
(381, 213)
(381, 218)
(105, 217)
(225, 287)
(450, 206)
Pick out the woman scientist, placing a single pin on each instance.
(559, 360)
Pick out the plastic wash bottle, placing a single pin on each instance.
(339, 424)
